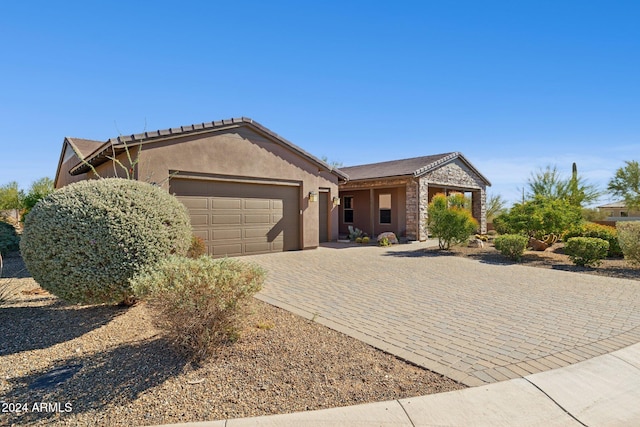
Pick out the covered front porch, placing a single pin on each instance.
(397, 205)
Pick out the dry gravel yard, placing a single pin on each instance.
(127, 375)
(553, 257)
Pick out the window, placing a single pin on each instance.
(384, 205)
(624, 214)
(347, 204)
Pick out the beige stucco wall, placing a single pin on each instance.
(240, 152)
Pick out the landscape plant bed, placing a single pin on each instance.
(553, 257)
(105, 365)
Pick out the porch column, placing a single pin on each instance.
(423, 204)
(479, 208)
(372, 214)
(411, 210)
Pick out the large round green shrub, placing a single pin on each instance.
(85, 241)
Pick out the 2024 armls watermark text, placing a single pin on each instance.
(42, 407)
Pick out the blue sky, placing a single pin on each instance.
(514, 86)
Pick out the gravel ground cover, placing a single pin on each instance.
(553, 257)
(121, 372)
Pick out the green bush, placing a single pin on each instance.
(197, 248)
(604, 232)
(449, 221)
(198, 301)
(9, 240)
(511, 245)
(586, 251)
(629, 239)
(85, 241)
(539, 217)
(384, 242)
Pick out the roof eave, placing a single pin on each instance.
(121, 143)
(447, 159)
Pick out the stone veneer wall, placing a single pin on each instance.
(454, 175)
(412, 199)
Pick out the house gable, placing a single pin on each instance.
(71, 147)
(456, 172)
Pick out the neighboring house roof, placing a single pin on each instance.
(415, 167)
(118, 145)
(613, 205)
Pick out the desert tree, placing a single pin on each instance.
(626, 184)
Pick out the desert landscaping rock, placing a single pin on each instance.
(130, 376)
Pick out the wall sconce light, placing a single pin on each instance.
(313, 196)
(336, 201)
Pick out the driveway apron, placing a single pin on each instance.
(474, 322)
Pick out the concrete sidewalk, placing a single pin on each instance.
(603, 391)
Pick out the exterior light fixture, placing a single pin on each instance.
(336, 201)
(313, 196)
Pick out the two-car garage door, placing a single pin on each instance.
(238, 218)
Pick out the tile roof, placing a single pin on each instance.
(391, 168)
(120, 143)
(415, 166)
(85, 146)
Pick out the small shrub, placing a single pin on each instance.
(197, 248)
(629, 239)
(384, 242)
(449, 221)
(198, 301)
(365, 240)
(511, 245)
(9, 240)
(586, 251)
(604, 232)
(85, 241)
(358, 239)
(354, 233)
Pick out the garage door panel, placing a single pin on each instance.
(226, 250)
(199, 219)
(257, 219)
(193, 203)
(257, 247)
(257, 204)
(253, 233)
(233, 234)
(226, 219)
(240, 218)
(223, 203)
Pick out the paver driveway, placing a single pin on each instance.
(473, 322)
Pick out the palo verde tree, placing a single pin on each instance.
(39, 190)
(626, 184)
(449, 220)
(11, 196)
(539, 217)
(549, 183)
